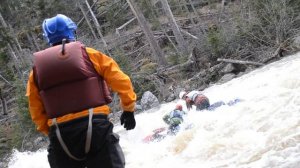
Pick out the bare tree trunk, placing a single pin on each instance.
(98, 27)
(192, 18)
(34, 37)
(18, 55)
(10, 29)
(3, 21)
(124, 6)
(87, 21)
(3, 102)
(5, 80)
(83, 18)
(180, 6)
(34, 41)
(149, 34)
(178, 36)
(153, 12)
(193, 7)
(29, 38)
(166, 34)
(17, 64)
(189, 34)
(16, 45)
(223, 3)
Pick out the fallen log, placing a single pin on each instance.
(239, 62)
(175, 69)
(124, 25)
(189, 34)
(137, 49)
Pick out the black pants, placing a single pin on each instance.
(105, 151)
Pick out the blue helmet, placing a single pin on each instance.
(59, 27)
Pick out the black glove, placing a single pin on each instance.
(127, 118)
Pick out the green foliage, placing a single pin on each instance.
(115, 16)
(215, 40)
(4, 58)
(142, 81)
(15, 135)
(273, 22)
(122, 60)
(9, 133)
(176, 7)
(4, 68)
(174, 59)
(146, 7)
(155, 24)
(2, 133)
(14, 132)
(5, 37)
(142, 84)
(150, 14)
(212, 2)
(149, 68)
(22, 103)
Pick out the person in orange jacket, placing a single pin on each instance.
(68, 96)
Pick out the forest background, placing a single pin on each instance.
(163, 45)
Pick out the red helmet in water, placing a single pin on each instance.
(179, 107)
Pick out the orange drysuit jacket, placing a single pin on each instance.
(108, 69)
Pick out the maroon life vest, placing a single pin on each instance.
(68, 82)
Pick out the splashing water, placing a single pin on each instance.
(262, 131)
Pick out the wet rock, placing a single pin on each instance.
(138, 107)
(40, 142)
(28, 146)
(228, 69)
(226, 78)
(115, 117)
(296, 42)
(149, 100)
(171, 97)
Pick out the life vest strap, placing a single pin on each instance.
(88, 137)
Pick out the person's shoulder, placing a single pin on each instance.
(91, 50)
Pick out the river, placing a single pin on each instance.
(261, 131)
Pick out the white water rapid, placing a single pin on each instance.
(262, 131)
